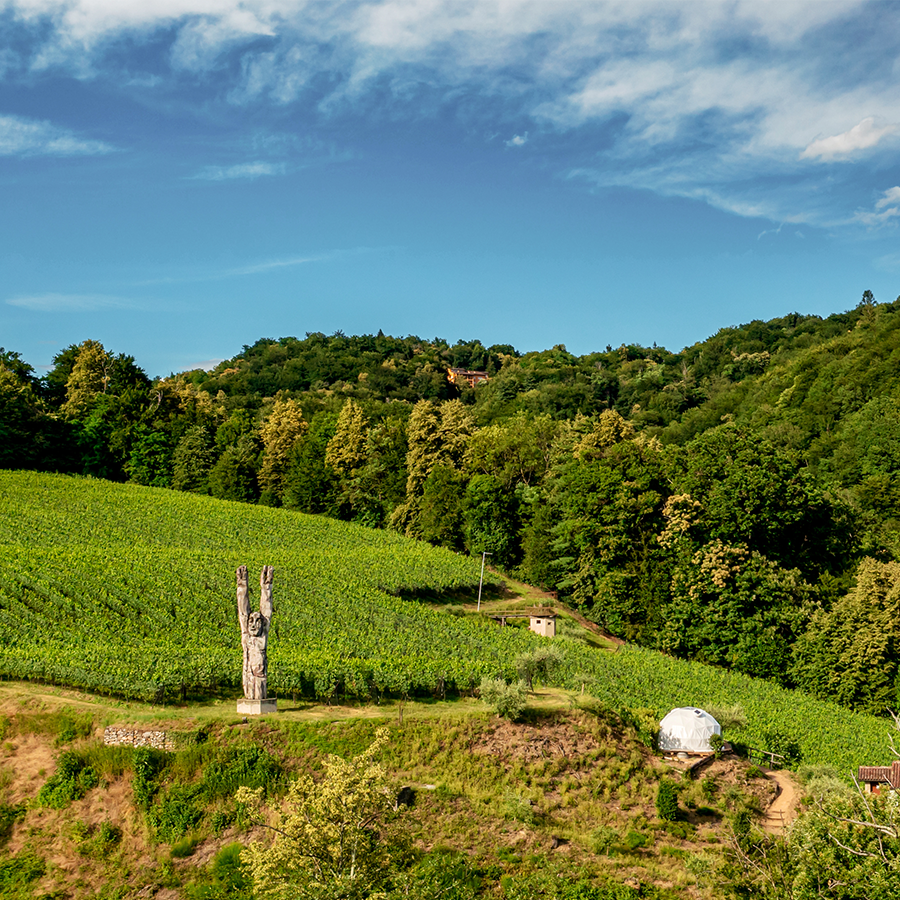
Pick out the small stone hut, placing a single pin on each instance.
(543, 625)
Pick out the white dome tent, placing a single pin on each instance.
(687, 730)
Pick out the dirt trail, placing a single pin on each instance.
(783, 810)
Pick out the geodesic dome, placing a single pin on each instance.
(688, 729)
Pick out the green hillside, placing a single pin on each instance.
(128, 590)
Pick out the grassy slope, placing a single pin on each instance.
(501, 791)
(130, 578)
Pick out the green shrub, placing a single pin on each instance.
(678, 830)
(73, 779)
(73, 726)
(518, 807)
(222, 819)
(740, 826)
(603, 839)
(175, 813)
(780, 742)
(19, 871)
(508, 700)
(443, 875)
(147, 764)
(96, 841)
(645, 722)
(667, 801)
(226, 879)
(708, 787)
(185, 847)
(635, 841)
(9, 815)
(508, 855)
(245, 765)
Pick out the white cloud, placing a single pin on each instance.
(890, 197)
(207, 365)
(886, 208)
(240, 171)
(775, 231)
(861, 137)
(27, 137)
(689, 99)
(70, 302)
(517, 140)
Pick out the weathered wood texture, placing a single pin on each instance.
(255, 631)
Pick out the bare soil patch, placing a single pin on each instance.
(527, 741)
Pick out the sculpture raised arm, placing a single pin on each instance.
(265, 593)
(243, 599)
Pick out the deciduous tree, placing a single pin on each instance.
(334, 839)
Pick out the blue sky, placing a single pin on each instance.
(182, 177)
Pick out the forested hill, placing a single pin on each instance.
(736, 502)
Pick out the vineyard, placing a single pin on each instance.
(129, 591)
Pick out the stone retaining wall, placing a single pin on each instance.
(130, 737)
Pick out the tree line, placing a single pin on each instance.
(734, 503)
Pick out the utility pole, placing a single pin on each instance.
(481, 580)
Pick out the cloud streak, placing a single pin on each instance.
(70, 303)
(240, 172)
(27, 137)
(887, 207)
(861, 137)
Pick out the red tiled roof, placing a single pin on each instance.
(881, 774)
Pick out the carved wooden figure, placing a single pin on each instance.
(255, 631)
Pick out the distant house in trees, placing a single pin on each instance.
(875, 778)
(470, 376)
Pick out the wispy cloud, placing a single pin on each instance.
(272, 264)
(861, 137)
(732, 103)
(240, 171)
(259, 267)
(207, 365)
(70, 303)
(27, 137)
(887, 207)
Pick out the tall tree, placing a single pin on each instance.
(193, 460)
(90, 376)
(346, 451)
(309, 484)
(849, 654)
(280, 433)
(233, 477)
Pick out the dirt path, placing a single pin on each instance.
(783, 810)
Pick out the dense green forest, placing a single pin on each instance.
(734, 503)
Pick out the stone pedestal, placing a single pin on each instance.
(257, 707)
